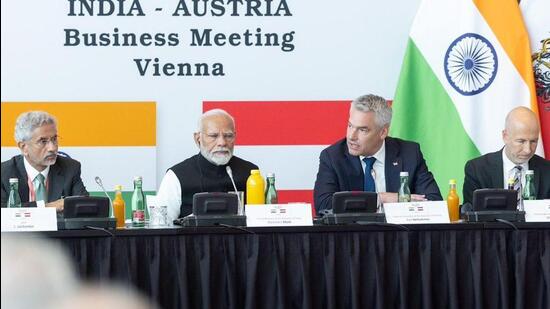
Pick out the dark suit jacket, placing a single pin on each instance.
(340, 171)
(486, 172)
(63, 180)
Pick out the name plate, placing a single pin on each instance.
(537, 211)
(294, 214)
(417, 212)
(29, 219)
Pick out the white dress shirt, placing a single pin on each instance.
(378, 167)
(169, 194)
(508, 169)
(32, 173)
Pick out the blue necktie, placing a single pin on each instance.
(369, 181)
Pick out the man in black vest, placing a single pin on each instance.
(206, 171)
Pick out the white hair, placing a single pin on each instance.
(27, 122)
(376, 104)
(212, 112)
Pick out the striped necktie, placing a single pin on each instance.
(39, 188)
(517, 185)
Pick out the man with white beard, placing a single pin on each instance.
(206, 171)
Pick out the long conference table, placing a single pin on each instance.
(481, 265)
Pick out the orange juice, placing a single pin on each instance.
(119, 207)
(453, 201)
(255, 186)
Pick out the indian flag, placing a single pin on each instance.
(113, 140)
(467, 64)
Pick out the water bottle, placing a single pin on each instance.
(271, 192)
(404, 193)
(529, 189)
(453, 201)
(14, 200)
(255, 188)
(138, 204)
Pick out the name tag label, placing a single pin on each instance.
(29, 219)
(417, 212)
(295, 214)
(537, 211)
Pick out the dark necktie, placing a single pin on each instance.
(369, 181)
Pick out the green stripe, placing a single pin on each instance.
(424, 112)
(127, 197)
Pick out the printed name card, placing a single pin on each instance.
(294, 214)
(537, 211)
(417, 212)
(29, 219)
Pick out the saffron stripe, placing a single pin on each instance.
(508, 26)
(90, 123)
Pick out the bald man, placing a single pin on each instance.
(520, 136)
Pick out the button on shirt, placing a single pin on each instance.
(31, 173)
(509, 170)
(378, 167)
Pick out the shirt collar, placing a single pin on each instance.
(380, 155)
(32, 172)
(509, 165)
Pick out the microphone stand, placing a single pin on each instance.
(230, 173)
(100, 183)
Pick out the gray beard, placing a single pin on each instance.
(216, 160)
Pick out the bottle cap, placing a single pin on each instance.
(452, 181)
(530, 172)
(404, 174)
(270, 175)
(511, 180)
(14, 180)
(137, 178)
(118, 187)
(254, 172)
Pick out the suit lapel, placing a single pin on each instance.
(392, 166)
(23, 185)
(55, 183)
(533, 165)
(496, 169)
(355, 172)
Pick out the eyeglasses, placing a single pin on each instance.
(229, 137)
(43, 142)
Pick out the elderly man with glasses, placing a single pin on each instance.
(206, 171)
(44, 177)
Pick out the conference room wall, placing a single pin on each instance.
(341, 50)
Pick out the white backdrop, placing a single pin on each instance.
(343, 49)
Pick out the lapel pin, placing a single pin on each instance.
(395, 163)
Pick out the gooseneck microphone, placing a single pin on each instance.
(230, 173)
(100, 183)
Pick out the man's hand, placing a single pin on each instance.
(57, 204)
(391, 197)
(418, 198)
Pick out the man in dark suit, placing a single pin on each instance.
(493, 170)
(44, 177)
(367, 147)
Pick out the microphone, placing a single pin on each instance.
(230, 173)
(100, 183)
